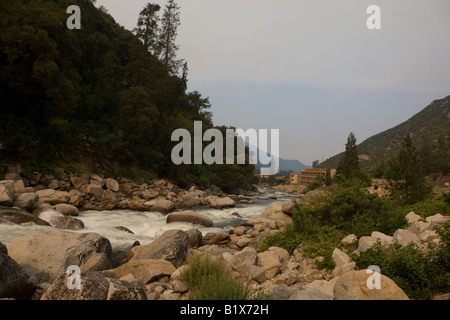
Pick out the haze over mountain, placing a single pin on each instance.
(430, 132)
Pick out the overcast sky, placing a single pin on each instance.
(311, 68)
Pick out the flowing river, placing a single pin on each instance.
(146, 226)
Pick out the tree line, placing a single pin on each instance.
(102, 96)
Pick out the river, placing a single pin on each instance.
(146, 226)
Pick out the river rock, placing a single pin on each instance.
(44, 255)
(353, 286)
(277, 211)
(19, 216)
(340, 258)
(146, 270)
(97, 262)
(67, 210)
(195, 238)
(349, 242)
(14, 283)
(53, 197)
(94, 286)
(190, 217)
(25, 201)
(94, 190)
(219, 203)
(76, 197)
(160, 205)
(171, 246)
(7, 193)
(112, 185)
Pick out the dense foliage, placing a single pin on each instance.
(96, 96)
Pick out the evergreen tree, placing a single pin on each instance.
(406, 175)
(328, 180)
(147, 27)
(349, 162)
(168, 48)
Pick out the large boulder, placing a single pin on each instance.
(340, 258)
(349, 242)
(94, 190)
(146, 270)
(412, 217)
(94, 286)
(171, 246)
(404, 237)
(53, 197)
(112, 185)
(7, 193)
(269, 262)
(280, 212)
(354, 285)
(19, 216)
(57, 220)
(67, 210)
(160, 205)
(44, 255)
(14, 283)
(190, 217)
(437, 220)
(219, 203)
(25, 201)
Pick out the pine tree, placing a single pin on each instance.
(406, 175)
(328, 179)
(167, 46)
(147, 27)
(349, 162)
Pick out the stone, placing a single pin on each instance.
(44, 255)
(146, 270)
(67, 210)
(239, 231)
(418, 227)
(219, 238)
(282, 292)
(437, 220)
(269, 262)
(340, 258)
(171, 246)
(53, 197)
(247, 257)
(14, 283)
(25, 201)
(404, 237)
(243, 241)
(98, 262)
(176, 275)
(343, 268)
(289, 277)
(54, 184)
(7, 193)
(195, 238)
(429, 235)
(19, 216)
(349, 242)
(354, 286)
(282, 254)
(179, 286)
(257, 274)
(124, 229)
(323, 286)
(94, 286)
(94, 191)
(160, 205)
(112, 185)
(412, 217)
(190, 217)
(275, 212)
(219, 203)
(310, 295)
(365, 243)
(77, 182)
(67, 223)
(76, 197)
(386, 241)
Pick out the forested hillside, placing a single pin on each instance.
(97, 96)
(429, 130)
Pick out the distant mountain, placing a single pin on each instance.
(285, 165)
(430, 132)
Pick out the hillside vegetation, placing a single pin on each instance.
(97, 98)
(430, 132)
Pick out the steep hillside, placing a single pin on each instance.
(430, 131)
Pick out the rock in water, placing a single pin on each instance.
(44, 255)
(190, 217)
(171, 246)
(19, 216)
(14, 283)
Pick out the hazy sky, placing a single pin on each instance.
(311, 68)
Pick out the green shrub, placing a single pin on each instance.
(430, 207)
(209, 279)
